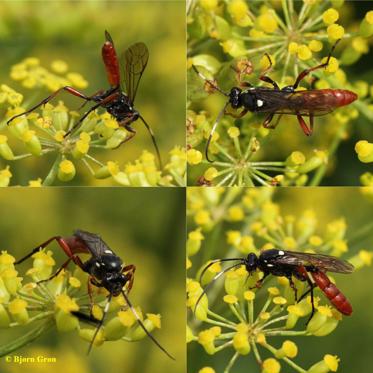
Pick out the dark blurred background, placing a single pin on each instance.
(145, 227)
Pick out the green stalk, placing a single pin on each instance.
(51, 177)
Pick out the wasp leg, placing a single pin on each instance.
(64, 265)
(292, 285)
(237, 116)
(130, 269)
(240, 73)
(259, 283)
(68, 89)
(94, 107)
(307, 131)
(92, 98)
(267, 121)
(132, 134)
(306, 72)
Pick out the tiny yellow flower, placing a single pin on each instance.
(66, 170)
(209, 4)
(211, 173)
(230, 299)
(202, 217)
(194, 156)
(271, 365)
(236, 213)
(335, 32)
(35, 183)
(59, 66)
(315, 45)
(267, 23)
(330, 16)
(65, 303)
(233, 132)
(293, 47)
(304, 53)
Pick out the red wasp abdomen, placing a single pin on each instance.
(111, 63)
(335, 296)
(321, 101)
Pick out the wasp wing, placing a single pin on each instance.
(302, 102)
(96, 246)
(323, 262)
(135, 59)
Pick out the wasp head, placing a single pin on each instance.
(251, 263)
(114, 282)
(234, 97)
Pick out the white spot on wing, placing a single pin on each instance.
(269, 265)
(108, 252)
(281, 252)
(259, 103)
(98, 265)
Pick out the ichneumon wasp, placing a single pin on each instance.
(105, 270)
(287, 100)
(119, 99)
(302, 266)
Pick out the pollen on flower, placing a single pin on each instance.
(65, 303)
(206, 370)
(293, 47)
(202, 217)
(267, 22)
(127, 318)
(273, 291)
(155, 319)
(333, 64)
(209, 4)
(74, 282)
(332, 362)
(290, 349)
(279, 300)
(77, 80)
(249, 295)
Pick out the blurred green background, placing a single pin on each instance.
(145, 227)
(74, 32)
(344, 168)
(353, 339)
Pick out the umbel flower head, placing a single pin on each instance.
(227, 311)
(62, 303)
(231, 44)
(43, 135)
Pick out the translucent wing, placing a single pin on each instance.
(323, 262)
(301, 102)
(135, 59)
(96, 246)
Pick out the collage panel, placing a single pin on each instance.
(276, 280)
(279, 93)
(119, 240)
(96, 84)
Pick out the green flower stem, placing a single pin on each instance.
(49, 180)
(223, 151)
(279, 20)
(364, 109)
(231, 183)
(316, 180)
(219, 317)
(285, 9)
(26, 338)
(90, 169)
(256, 352)
(216, 163)
(236, 313)
(265, 47)
(218, 323)
(283, 333)
(231, 363)
(250, 311)
(259, 179)
(303, 14)
(223, 346)
(282, 318)
(223, 172)
(287, 360)
(179, 180)
(236, 143)
(21, 156)
(222, 182)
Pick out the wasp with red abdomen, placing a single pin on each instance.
(271, 101)
(310, 268)
(119, 99)
(105, 270)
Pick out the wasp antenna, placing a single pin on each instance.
(143, 326)
(106, 309)
(213, 131)
(217, 261)
(154, 142)
(213, 280)
(212, 84)
(331, 52)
